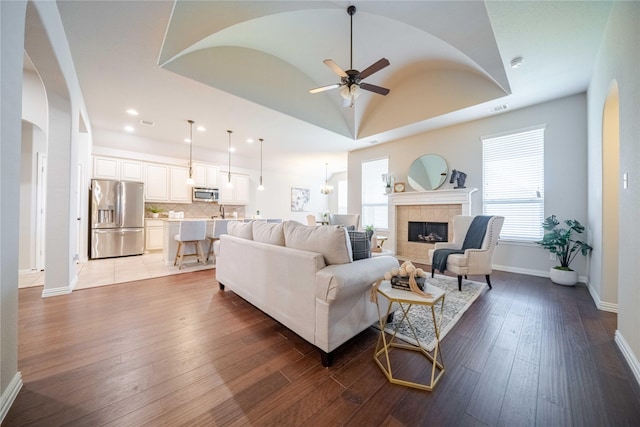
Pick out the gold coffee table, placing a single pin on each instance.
(406, 300)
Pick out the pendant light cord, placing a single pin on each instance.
(229, 175)
(190, 145)
(261, 140)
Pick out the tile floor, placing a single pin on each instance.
(100, 272)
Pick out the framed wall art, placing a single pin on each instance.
(300, 198)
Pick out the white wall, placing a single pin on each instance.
(619, 61)
(461, 147)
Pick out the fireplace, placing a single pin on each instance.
(432, 207)
(428, 232)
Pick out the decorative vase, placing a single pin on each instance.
(387, 190)
(155, 214)
(563, 277)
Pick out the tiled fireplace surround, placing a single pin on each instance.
(425, 206)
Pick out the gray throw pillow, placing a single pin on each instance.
(360, 244)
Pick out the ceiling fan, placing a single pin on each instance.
(351, 80)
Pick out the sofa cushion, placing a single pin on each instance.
(332, 241)
(240, 229)
(267, 232)
(360, 244)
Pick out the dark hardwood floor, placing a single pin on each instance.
(177, 351)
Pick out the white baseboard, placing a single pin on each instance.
(54, 292)
(600, 305)
(631, 359)
(63, 290)
(10, 394)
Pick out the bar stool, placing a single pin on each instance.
(190, 232)
(219, 228)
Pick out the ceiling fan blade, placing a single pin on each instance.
(323, 88)
(335, 67)
(374, 88)
(374, 68)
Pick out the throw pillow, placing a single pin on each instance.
(267, 232)
(332, 241)
(240, 229)
(360, 244)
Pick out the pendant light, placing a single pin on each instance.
(326, 189)
(190, 180)
(229, 184)
(260, 186)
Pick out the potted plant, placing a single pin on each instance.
(155, 210)
(559, 241)
(370, 230)
(388, 180)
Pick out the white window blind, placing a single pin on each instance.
(513, 182)
(375, 203)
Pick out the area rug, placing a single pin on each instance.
(455, 304)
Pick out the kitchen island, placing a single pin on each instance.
(171, 227)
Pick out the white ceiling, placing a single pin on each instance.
(248, 66)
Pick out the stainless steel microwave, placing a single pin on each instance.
(203, 194)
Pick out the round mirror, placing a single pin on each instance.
(427, 172)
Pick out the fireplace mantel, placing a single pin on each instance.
(460, 196)
(441, 205)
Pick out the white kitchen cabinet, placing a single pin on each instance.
(205, 175)
(156, 183)
(153, 232)
(117, 169)
(106, 168)
(238, 193)
(180, 191)
(131, 170)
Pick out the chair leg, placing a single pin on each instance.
(460, 283)
(210, 247)
(199, 254)
(432, 270)
(488, 281)
(175, 260)
(181, 258)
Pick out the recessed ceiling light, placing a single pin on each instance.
(250, 140)
(129, 128)
(201, 128)
(232, 149)
(187, 140)
(132, 112)
(516, 62)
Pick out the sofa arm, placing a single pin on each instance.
(343, 280)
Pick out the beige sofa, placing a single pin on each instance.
(303, 277)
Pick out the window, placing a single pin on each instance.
(513, 182)
(375, 203)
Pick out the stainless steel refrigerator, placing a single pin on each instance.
(117, 218)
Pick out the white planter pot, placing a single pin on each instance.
(563, 277)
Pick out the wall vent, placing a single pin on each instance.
(147, 123)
